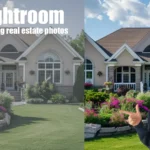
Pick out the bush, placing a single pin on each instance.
(117, 119)
(145, 97)
(58, 98)
(122, 90)
(95, 97)
(131, 94)
(35, 101)
(43, 91)
(6, 100)
(105, 119)
(91, 117)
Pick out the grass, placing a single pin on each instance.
(44, 127)
(124, 142)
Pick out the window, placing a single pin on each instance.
(49, 68)
(125, 75)
(88, 70)
(147, 49)
(9, 48)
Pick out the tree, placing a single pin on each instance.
(78, 89)
(78, 43)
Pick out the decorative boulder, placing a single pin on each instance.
(123, 129)
(91, 130)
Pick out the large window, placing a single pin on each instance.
(125, 75)
(49, 68)
(88, 71)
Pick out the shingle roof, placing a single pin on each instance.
(130, 36)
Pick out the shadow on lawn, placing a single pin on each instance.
(17, 121)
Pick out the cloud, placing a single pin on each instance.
(92, 15)
(10, 4)
(126, 12)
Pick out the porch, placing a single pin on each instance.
(128, 76)
(12, 79)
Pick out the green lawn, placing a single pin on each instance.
(126, 142)
(44, 127)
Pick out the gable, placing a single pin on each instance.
(58, 38)
(91, 52)
(96, 46)
(121, 50)
(49, 44)
(12, 40)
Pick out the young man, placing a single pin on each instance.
(135, 120)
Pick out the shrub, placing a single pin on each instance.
(88, 105)
(113, 95)
(91, 117)
(43, 91)
(122, 90)
(88, 85)
(145, 97)
(105, 109)
(131, 94)
(35, 101)
(6, 100)
(117, 119)
(105, 119)
(90, 95)
(58, 98)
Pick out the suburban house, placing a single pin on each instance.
(122, 57)
(27, 59)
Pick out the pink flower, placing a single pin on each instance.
(3, 109)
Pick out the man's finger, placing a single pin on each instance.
(125, 112)
(137, 108)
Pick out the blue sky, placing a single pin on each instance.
(105, 16)
(73, 9)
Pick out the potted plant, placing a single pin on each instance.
(108, 85)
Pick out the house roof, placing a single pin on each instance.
(12, 56)
(130, 36)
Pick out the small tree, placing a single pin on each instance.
(78, 89)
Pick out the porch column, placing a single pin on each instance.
(138, 77)
(111, 73)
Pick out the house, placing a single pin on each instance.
(30, 59)
(122, 57)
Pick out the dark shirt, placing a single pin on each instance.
(144, 133)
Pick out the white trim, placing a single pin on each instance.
(107, 72)
(59, 38)
(96, 46)
(138, 65)
(74, 72)
(122, 49)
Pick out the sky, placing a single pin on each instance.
(73, 10)
(103, 17)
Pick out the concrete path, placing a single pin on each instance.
(18, 103)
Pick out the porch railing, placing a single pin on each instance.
(128, 85)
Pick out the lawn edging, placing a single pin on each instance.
(96, 130)
(6, 121)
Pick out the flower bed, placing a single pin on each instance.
(103, 109)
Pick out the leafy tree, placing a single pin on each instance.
(78, 43)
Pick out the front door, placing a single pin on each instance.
(9, 80)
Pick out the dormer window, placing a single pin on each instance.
(9, 48)
(147, 49)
